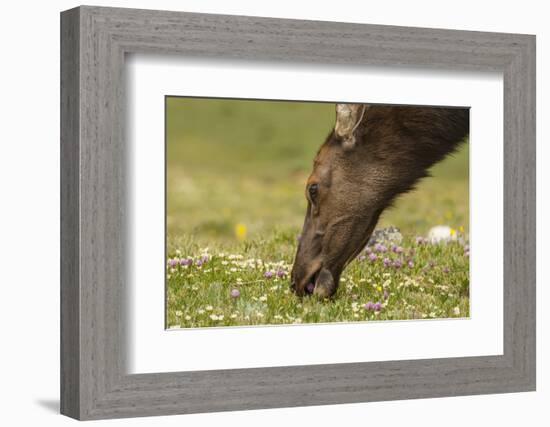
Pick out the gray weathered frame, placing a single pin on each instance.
(94, 41)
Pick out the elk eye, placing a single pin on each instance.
(313, 190)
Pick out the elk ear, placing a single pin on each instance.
(348, 118)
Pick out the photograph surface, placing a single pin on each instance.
(287, 212)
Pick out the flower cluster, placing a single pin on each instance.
(370, 306)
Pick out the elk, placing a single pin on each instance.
(373, 154)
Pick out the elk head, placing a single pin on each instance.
(373, 154)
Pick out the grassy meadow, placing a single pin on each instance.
(235, 204)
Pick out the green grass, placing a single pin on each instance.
(243, 164)
(435, 285)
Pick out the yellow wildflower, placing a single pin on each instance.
(240, 231)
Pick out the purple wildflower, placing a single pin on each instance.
(398, 249)
(310, 287)
(205, 258)
(281, 273)
(235, 293)
(380, 248)
(398, 263)
(368, 249)
(173, 262)
(410, 264)
(186, 261)
(446, 270)
(421, 240)
(362, 258)
(199, 262)
(373, 257)
(269, 274)
(377, 306)
(368, 306)
(387, 262)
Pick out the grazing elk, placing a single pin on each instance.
(373, 154)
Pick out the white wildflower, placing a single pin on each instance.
(441, 234)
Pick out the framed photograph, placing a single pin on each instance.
(261, 213)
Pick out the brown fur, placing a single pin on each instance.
(357, 178)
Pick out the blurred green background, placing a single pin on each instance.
(236, 170)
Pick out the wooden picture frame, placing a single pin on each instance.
(94, 382)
